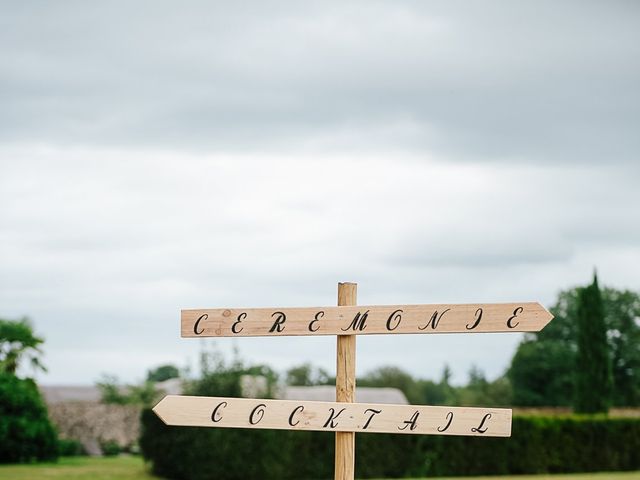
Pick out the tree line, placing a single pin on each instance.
(587, 358)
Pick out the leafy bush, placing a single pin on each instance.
(538, 445)
(18, 342)
(26, 434)
(541, 445)
(111, 392)
(110, 448)
(204, 453)
(68, 447)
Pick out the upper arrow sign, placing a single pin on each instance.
(364, 320)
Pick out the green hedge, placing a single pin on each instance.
(538, 445)
(541, 445)
(26, 434)
(68, 447)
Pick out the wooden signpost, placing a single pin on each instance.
(344, 417)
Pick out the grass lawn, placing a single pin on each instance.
(133, 468)
(578, 476)
(80, 468)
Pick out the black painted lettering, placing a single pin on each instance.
(278, 325)
(332, 417)
(234, 327)
(449, 420)
(479, 428)
(299, 408)
(516, 312)
(397, 316)
(434, 320)
(411, 423)
(257, 414)
(316, 319)
(373, 413)
(204, 316)
(214, 415)
(477, 316)
(359, 322)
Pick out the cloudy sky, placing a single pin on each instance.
(164, 155)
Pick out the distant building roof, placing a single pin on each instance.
(173, 386)
(323, 393)
(327, 393)
(60, 394)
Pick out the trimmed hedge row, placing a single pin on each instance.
(538, 445)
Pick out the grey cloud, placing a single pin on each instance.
(543, 81)
(156, 156)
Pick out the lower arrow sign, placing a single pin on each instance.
(332, 416)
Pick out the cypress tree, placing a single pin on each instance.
(593, 374)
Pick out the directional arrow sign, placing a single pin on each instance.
(333, 416)
(363, 320)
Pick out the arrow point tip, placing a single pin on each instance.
(157, 409)
(548, 316)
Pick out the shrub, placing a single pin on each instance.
(203, 453)
(541, 445)
(26, 434)
(110, 448)
(538, 445)
(68, 447)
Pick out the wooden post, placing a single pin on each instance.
(346, 387)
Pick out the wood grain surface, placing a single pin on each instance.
(365, 320)
(227, 412)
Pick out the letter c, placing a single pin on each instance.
(204, 316)
(299, 408)
(214, 416)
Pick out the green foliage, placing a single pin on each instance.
(480, 392)
(112, 392)
(68, 447)
(541, 374)
(396, 378)
(554, 349)
(110, 448)
(564, 326)
(163, 373)
(204, 453)
(17, 342)
(538, 445)
(306, 375)
(144, 394)
(594, 375)
(622, 309)
(441, 393)
(26, 434)
(218, 376)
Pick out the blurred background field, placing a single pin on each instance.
(80, 468)
(133, 468)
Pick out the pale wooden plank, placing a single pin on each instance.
(346, 387)
(364, 320)
(227, 412)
